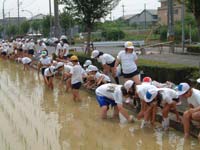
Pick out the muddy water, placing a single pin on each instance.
(33, 117)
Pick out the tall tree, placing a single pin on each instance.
(66, 20)
(24, 27)
(90, 11)
(36, 25)
(194, 7)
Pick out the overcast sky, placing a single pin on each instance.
(42, 6)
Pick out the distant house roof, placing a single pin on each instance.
(38, 17)
(126, 17)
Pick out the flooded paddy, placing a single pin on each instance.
(34, 117)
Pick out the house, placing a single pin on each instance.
(145, 18)
(162, 12)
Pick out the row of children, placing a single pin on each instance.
(150, 94)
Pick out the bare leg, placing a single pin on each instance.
(186, 123)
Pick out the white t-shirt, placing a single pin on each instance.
(26, 60)
(106, 78)
(106, 59)
(142, 89)
(43, 46)
(76, 72)
(45, 60)
(67, 68)
(48, 72)
(31, 45)
(111, 91)
(66, 47)
(195, 98)
(127, 61)
(167, 95)
(58, 48)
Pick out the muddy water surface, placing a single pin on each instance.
(34, 117)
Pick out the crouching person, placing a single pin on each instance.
(26, 61)
(112, 94)
(193, 98)
(48, 76)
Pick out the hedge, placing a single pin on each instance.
(193, 49)
(158, 71)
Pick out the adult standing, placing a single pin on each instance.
(128, 60)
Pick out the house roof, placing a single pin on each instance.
(38, 17)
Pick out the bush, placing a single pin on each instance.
(193, 49)
(113, 34)
(163, 72)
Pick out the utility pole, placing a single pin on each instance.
(145, 16)
(183, 24)
(123, 11)
(18, 15)
(56, 20)
(4, 31)
(170, 16)
(50, 19)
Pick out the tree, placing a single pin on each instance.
(36, 25)
(66, 20)
(24, 27)
(46, 26)
(1, 30)
(90, 11)
(11, 30)
(194, 7)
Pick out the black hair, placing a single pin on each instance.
(100, 53)
(124, 91)
(132, 91)
(159, 99)
(176, 99)
(65, 41)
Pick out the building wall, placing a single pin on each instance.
(162, 12)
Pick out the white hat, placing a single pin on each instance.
(59, 64)
(129, 44)
(198, 80)
(150, 95)
(87, 63)
(95, 53)
(63, 37)
(182, 88)
(128, 84)
(92, 68)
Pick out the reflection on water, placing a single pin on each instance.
(34, 117)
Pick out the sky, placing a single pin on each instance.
(34, 7)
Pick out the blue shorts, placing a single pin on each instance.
(104, 101)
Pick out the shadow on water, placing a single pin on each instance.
(35, 117)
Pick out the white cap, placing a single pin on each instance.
(63, 37)
(87, 63)
(128, 84)
(59, 64)
(182, 88)
(150, 95)
(198, 80)
(92, 68)
(129, 44)
(95, 53)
